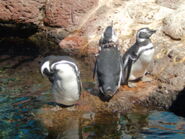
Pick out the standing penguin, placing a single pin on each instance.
(138, 57)
(64, 75)
(108, 66)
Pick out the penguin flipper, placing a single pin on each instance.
(133, 57)
(127, 65)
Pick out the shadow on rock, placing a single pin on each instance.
(17, 52)
(179, 104)
(19, 30)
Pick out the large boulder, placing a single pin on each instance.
(67, 13)
(22, 11)
(174, 24)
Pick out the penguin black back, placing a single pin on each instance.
(108, 69)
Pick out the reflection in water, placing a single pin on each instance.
(115, 126)
(104, 125)
(69, 130)
(132, 124)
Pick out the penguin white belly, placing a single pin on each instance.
(139, 67)
(66, 89)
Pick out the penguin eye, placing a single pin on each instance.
(143, 35)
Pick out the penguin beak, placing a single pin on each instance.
(153, 31)
(108, 92)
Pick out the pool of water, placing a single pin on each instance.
(23, 92)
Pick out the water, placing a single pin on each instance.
(24, 93)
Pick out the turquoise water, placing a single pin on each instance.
(24, 91)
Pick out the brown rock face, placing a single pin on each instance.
(74, 44)
(67, 13)
(21, 11)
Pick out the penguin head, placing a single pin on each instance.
(45, 68)
(144, 33)
(64, 69)
(58, 66)
(108, 89)
(108, 36)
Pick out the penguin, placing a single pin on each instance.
(64, 75)
(138, 57)
(108, 69)
(108, 65)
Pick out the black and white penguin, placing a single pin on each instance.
(65, 78)
(108, 66)
(138, 57)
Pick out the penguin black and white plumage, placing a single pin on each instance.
(64, 75)
(108, 66)
(138, 57)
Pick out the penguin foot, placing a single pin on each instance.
(56, 108)
(71, 108)
(146, 79)
(132, 85)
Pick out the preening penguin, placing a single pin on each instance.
(65, 78)
(108, 66)
(138, 57)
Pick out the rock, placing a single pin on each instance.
(143, 13)
(56, 34)
(74, 44)
(19, 11)
(67, 13)
(174, 24)
(168, 69)
(173, 4)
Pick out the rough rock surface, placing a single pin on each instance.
(174, 24)
(168, 69)
(67, 13)
(173, 4)
(22, 11)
